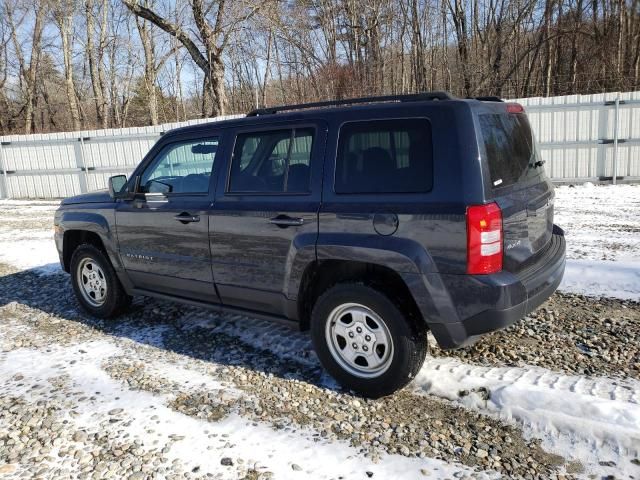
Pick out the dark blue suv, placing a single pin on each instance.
(367, 221)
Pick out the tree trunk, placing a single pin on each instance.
(28, 73)
(548, 54)
(419, 66)
(211, 62)
(217, 87)
(150, 72)
(573, 62)
(95, 63)
(63, 15)
(266, 69)
(460, 23)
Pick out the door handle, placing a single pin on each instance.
(284, 221)
(185, 218)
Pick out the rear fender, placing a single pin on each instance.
(414, 265)
(400, 254)
(302, 253)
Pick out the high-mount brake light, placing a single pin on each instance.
(515, 108)
(484, 239)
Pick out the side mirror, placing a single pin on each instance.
(116, 186)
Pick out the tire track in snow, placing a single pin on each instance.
(592, 420)
(602, 387)
(575, 416)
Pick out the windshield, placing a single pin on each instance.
(510, 148)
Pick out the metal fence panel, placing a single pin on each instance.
(588, 137)
(582, 137)
(59, 165)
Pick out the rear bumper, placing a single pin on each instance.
(487, 303)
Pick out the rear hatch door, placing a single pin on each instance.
(517, 182)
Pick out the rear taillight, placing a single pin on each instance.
(484, 239)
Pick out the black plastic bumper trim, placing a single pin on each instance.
(540, 285)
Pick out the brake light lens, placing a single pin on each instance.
(515, 108)
(484, 239)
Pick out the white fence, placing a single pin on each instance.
(56, 165)
(588, 137)
(582, 137)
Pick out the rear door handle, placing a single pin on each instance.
(185, 218)
(286, 221)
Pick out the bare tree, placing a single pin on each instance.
(150, 69)
(229, 55)
(63, 13)
(95, 56)
(28, 70)
(459, 18)
(213, 36)
(5, 106)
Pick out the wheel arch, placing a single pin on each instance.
(73, 239)
(87, 227)
(321, 275)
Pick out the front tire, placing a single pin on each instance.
(365, 341)
(96, 284)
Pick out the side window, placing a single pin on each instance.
(276, 161)
(183, 167)
(385, 156)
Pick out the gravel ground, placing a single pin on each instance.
(169, 391)
(570, 333)
(283, 391)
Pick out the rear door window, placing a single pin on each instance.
(385, 156)
(276, 161)
(510, 148)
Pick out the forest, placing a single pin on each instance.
(69, 65)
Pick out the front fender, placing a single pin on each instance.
(87, 221)
(95, 222)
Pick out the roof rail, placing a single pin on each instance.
(352, 101)
(489, 98)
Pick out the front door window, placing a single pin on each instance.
(182, 167)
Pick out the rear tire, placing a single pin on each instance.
(96, 284)
(365, 341)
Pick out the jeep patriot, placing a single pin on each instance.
(368, 222)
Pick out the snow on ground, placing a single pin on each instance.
(23, 246)
(601, 222)
(26, 249)
(589, 419)
(616, 279)
(602, 228)
(149, 421)
(575, 416)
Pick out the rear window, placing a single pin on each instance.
(509, 146)
(384, 156)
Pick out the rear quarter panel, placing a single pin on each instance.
(431, 225)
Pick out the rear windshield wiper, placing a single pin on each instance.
(537, 164)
